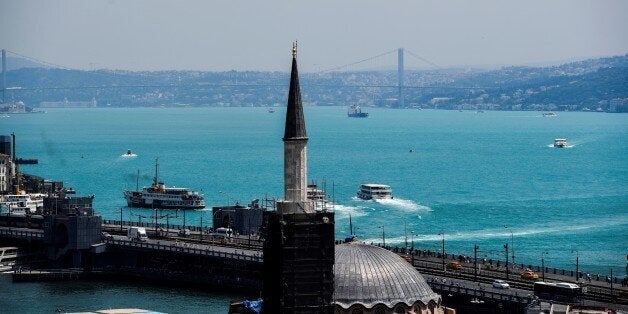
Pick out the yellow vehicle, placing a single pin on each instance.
(529, 275)
(454, 265)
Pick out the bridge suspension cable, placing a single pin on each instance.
(39, 61)
(357, 62)
(423, 59)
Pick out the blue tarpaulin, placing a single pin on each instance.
(254, 306)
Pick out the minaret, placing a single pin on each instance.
(295, 149)
(298, 268)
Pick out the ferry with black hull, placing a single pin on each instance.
(160, 196)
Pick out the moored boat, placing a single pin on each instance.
(29, 203)
(369, 191)
(160, 196)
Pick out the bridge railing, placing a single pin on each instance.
(480, 293)
(189, 249)
(22, 234)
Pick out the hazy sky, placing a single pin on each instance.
(257, 35)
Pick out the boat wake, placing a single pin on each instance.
(403, 204)
(128, 155)
(344, 211)
(566, 146)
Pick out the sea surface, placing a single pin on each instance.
(471, 178)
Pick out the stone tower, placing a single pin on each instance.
(295, 150)
(299, 255)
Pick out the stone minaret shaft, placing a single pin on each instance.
(295, 141)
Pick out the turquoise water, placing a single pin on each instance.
(468, 175)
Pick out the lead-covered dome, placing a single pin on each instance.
(369, 275)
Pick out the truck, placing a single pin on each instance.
(137, 234)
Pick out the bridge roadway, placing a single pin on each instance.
(460, 281)
(175, 245)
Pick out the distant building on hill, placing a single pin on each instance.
(69, 104)
(13, 107)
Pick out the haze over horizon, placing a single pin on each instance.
(251, 35)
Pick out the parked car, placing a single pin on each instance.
(184, 232)
(529, 275)
(500, 284)
(454, 265)
(106, 236)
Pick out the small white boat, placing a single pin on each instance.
(560, 142)
(129, 154)
(549, 114)
(271, 110)
(369, 191)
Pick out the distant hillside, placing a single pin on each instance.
(583, 85)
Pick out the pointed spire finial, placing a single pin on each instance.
(294, 49)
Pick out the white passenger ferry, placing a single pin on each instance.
(160, 196)
(8, 256)
(28, 203)
(369, 191)
(560, 142)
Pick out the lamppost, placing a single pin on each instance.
(512, 244)
(577, 265)
(383, 235)
(506, 252)
(405, 230)
(543, 264)
(120, 218)
(475, 262)
(443, 255)
(228, 200)
(412, 233)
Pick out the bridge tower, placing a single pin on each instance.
(4, 70)
(401, 102)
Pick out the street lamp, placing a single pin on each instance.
(577, 265)
(512, 244)
(543, 264)
(405, 230)
(383, 235)
(412, 233)
(443, 255)
(221, 192)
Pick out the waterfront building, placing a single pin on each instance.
(5, 173)
(241, 219)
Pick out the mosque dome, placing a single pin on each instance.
(368, 277)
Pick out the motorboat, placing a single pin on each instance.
(129, 154)
(356, 112)
(560, 143)
(370, 191)
(549, 114)
(159, 196)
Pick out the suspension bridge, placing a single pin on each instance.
(382, 62)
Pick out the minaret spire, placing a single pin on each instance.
(295, 146)
(295, 123)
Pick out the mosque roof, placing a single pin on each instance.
(370, 275)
